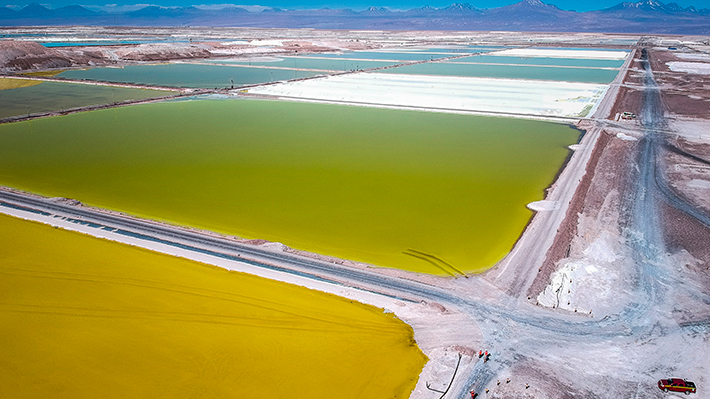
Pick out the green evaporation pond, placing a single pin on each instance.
(421, 191)
(509, 72)
(51, 96)
(578, 62)
(333, 64)
(381, 55)
(186, 75)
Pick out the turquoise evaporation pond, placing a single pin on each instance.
(186, 75)
(381, 55)
(452, 49)
(579, 49)
(331, 64)
(578, 62)
(584, 75)
(55, 96)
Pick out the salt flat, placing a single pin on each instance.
(563, 53)
(699, 68)
(510, 96)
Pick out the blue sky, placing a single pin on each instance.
(118, 5)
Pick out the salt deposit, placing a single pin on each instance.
(587, 284)
(701, 184)
(544, 205)
(699, 68)
(693, 56)
(626, 137)
(266, 43)
(510, 96)
(561, 53)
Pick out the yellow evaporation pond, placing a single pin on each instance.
(422, 191)
(44, 73)
(7, 83)
(87, 318)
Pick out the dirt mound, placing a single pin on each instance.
(162, 52)
(23, 55)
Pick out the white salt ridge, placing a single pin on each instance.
(510, 96)
(235, 42)
(694, 56)
(697, 183)
(266, 43)
(561, 53)
(544, 205)
(237, 51)
(698, 68)
(586, 284)
(626, 137)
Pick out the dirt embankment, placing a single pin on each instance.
(630, 93)
(26, 55)
(596, 206)
(686, 164)
(22, 55)
(684, 94)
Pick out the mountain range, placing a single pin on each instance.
(646, 16)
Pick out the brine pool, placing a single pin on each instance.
(420, 191)
(24, 97)
(187, 75)
(81, 314)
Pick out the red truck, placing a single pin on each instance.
(676, 385)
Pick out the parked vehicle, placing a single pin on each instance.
(677, 385)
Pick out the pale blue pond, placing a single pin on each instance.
(187, 75)
(590, 63)
(509, 71)
(330, 64)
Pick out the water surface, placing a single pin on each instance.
(421, 191)
(384, 55)
(186, 75)
(81, 314)
(579, 62)
(333, 64)
(54, 96)
(585, 75)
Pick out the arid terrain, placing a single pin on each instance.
(607, 290)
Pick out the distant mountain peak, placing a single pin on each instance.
(460, 7)
(421, 10)
(74, 10)
(648, 6)
(376, 11)
(36, 9)
(535, 4)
